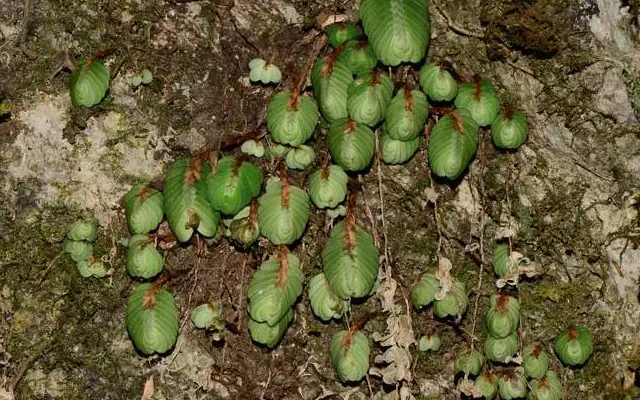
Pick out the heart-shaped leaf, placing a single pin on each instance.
(144, 208)
(89, 83)
(358, 56)
(406, 115)
(324, 303)
(351, 144)
(330, 79)
(480, 98)
(328, 186)
(283, 212)
(437, 83)
(233, 185)
(349, 353)
(452, 144)
(143, 259)
(291, 118)
(368, 97)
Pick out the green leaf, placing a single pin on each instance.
(185, 199)
(79, 250)
(291, 118)
(574, 346)
(397, 151)
(283, 213)
(406, 115)
(244, 226)
(233, 185)
(349, 353)
(437, 83)
(429, 342)
(350, 260)
(275, 287)
(143, 259)
(480, 99)
(368, 97)
(398, 30)
(535, 361)
(330, 80)
(208, 315)
(487, 384)
(340, 32)
(509, 130)
(498, 349)
(548, 387)
(268, 335)
(453, 304)
(92, 267)
(152, 319)
(83, 230)
(300, 157)
(89, 83)
(452, 144)
(253, 148)
(358, 56)
(501, 261)
(324, 303)
(147, 76)
(469, 362)
(512, 386)
(265, 72)
(351, 144)
(424, 292)
(503, 315)
(328, 186)
(144, 208)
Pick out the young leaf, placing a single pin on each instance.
(275, 287)
(79, 250)
(453, 304)
(233, 185)
(397, 151)
(368, 97)
(265, 72)
(185, 199)
(340, 32)
(283, 212)
(143, 259)
(509, 129)
(330, 79)
(452, 144)
(406, 115)
(437, 83)
(144, 208)
(300, 157)
(268, 335)
(358, 56)
(324, 303)
(349, 353)
(398, 30)
(424, 292)
(152, 319)
(328, 186)
(291, 118)
(480, 99)
(351, 144)
(89, 83)
(92, 267)
(350, 260)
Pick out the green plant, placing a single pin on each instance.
(454, 302)
(503, 315)
(78, 250)
(83, 230)
(574, 345)
(368, 97)
(509, 129)
(244, 228)
(424, 292)
(92, 267)
(208, 316)
(548, 387)
(291, 118)
(152, 319)
(300, 157)
(487, 384)
(350, 258)
(341, 32)
(328, 186)
(512, 385)
(351, 144)
(265, 72)
(437, 83)
(397, 151)
(144, 208)
(283, 212)
(89, 83)
(268, 335)
(406, 115)
(452, 144)
(357, 55)
(535, 361)
(431, 342)
(330, 80)
(480, 99)
(469, 362)
(500, 349)
(275, 287)
(324, 303)
(349, 353)
(398, 31)
(233, 184)
(185, 199)
(143, 259)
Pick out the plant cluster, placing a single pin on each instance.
(365, 111)
(78, 244)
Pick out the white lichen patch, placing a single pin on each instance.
(625, 271)
(89, 173)
(50, 385)
(607, 26)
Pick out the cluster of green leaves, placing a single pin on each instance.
(78, 244)
(89, 83)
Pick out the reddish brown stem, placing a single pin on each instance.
(283, 273)
(457, 122)
(286, 190)
(408, 100)
(478, 89)
(350, 223)
(192, 173)
(253, 212)
(508, 111)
